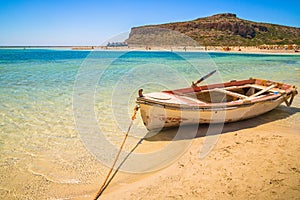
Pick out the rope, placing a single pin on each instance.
(136, 108)
(289, 103)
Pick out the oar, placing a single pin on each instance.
(203, 78)
(263, 91)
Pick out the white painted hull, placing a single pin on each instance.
(218, 103)
(158, 117)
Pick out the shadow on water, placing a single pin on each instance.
(278, 113)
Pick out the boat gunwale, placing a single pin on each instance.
(282, 90)
(212, 107)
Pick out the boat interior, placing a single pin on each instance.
(228, 94)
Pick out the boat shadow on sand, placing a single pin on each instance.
(282, 112)
(279, 113)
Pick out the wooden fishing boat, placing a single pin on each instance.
(217, 103)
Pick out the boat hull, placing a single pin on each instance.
(157, 117)
(218, 103)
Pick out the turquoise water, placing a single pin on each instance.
(41, 150)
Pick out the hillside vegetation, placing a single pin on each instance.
(217, 30)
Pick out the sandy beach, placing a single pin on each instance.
(264, 49)
(267, 49)
(44, 156)
(253, 159)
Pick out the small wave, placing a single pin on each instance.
(85, 196)
(54, 179)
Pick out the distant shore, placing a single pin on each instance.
(284, 49)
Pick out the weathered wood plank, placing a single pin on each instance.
(262, 91)
(231, 93)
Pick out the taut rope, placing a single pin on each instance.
(136, 108)
(289, 103)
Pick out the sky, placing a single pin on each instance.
(92, 22)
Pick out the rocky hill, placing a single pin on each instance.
(217, 30)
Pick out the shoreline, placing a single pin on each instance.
(208, 49)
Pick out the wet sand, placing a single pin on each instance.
(253, 159)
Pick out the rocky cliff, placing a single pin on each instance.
(217, 30)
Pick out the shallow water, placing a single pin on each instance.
(46, 96)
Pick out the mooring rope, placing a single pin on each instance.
(136, 108)
(289, 103)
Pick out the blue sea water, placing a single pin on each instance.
(40, 88)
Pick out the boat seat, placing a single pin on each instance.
(234, 94)
(259, 93)
(262, 91)
(260, 87)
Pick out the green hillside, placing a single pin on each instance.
(217, 30)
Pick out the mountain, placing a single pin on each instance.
(217, 30)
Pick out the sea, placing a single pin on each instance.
(57, 106)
